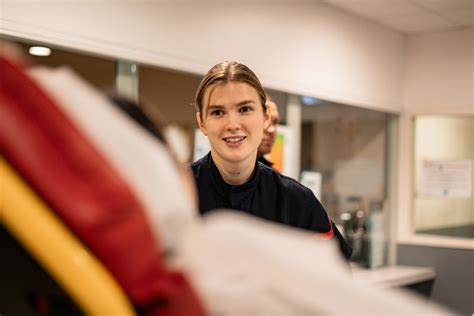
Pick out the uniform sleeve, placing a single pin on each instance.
(316, 216)
(326, 228)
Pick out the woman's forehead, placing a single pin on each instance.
(230, 93)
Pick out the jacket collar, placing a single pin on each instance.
(237, 194)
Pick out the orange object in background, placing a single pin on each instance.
(276, 156)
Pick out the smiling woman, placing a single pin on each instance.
(231, 112)
(234, 122)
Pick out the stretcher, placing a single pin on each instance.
(75, 215)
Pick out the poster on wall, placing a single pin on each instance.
(282, 150)
(314, 181)
(442, 178)
(201, 145)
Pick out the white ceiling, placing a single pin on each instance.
(412, 16)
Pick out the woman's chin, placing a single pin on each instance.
(236, 157)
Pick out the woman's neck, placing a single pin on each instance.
(234, 173)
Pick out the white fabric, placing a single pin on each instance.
(136, 155)
(244, 266)
(240, 265)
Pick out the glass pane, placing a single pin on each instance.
(167, 96)
(348, 147)
(444, 153)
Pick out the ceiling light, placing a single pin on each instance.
(39, 51)
(309, 101)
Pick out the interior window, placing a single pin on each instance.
(443, 201)
(345, 149)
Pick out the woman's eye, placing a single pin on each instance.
(245, 109)
(217, 112)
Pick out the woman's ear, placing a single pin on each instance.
(267, 115)
(200, 123)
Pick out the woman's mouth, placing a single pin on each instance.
(234, 141)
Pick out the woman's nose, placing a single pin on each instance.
(233, 121)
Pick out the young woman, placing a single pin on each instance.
(231, 111)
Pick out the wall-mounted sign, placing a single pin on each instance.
(312, 180)
(447, 178)
(201, 145)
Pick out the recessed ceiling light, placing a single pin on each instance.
(309, 101)
(39, 51)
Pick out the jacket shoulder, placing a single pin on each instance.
(196, 164)
(296, 187)
(289, 185)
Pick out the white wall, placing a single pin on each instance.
(438, 80)
(296, 46)
(438, 76)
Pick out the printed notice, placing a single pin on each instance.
(447, 178)
(312, 180)
(201, 145)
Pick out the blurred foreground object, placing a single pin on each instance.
(86, 192)
(63, 256)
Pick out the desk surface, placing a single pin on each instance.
(392, 276)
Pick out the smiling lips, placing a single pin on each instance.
(234, 141)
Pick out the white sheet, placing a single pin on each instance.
(136, 155)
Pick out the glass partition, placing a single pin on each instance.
(345, 149)
(443, 201)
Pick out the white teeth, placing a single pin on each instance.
(233, 139)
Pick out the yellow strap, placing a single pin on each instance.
(54, 246)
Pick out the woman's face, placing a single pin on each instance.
(234, 120)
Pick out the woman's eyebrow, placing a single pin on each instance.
(214, 106)
(245, 102)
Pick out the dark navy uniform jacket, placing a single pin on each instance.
(265, 161)
(269, 195)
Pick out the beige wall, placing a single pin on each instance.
(438, 80)
(301, 46)
(438, 76)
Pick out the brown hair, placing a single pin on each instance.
(225, 72)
